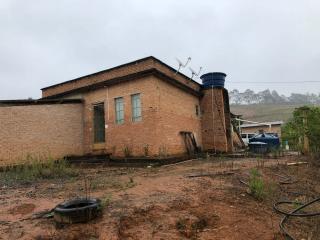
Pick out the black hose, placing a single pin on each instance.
(243, 182)
(286, 179)
(292, 192)
(291, 214)
(294, 214)
(289, 180)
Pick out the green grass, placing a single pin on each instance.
(265, 112)
(106, 200)
(257, 185)
(36, 170)
(111, 183)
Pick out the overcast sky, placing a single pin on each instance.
(47, 42)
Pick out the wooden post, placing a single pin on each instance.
(306, 146)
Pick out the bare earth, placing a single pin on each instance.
(161, 203)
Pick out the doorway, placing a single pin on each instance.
(99, 123)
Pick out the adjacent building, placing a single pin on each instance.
(267, 127)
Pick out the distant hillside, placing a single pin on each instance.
(265, 112)
(268, 97)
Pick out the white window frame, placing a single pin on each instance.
(119, 110)
(136, 109)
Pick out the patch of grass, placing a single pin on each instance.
(260, 162)
(181, 225)
(189, 228)
(37, 170)
(108, 182)
(106, 200)
(146, 150)
(296, 204)
(199, 225)
(276, 153)
(130, 183)
(256, 185)
(127, 151)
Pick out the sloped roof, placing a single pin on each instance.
(124, 72)
(121, 66)
(261, 124)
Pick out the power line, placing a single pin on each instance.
(296, 82)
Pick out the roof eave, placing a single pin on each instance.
(120, 66)
(23, 102)
(106, 83)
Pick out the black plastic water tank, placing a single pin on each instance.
(258, 147)
(272, 141)
(213, 79)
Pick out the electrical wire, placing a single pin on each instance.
(257, 82)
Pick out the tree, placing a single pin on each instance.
(235, 96)
(299, 98)
(248, 96)
(294, 130)
(266, 96)
(276, 97)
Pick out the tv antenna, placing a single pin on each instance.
(181, 65)
(194, 73)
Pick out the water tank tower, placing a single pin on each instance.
(215, 121)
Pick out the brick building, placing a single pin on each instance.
(267, 127)
(140, 108)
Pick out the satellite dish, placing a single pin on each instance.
(181, 65)
(194, 73)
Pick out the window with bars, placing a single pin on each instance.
(136, 107)
(119, 110)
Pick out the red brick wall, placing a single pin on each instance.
(40, 131)
(177, 112)
(65, 129)
(166, 110)
(216, 132)
(133, 135)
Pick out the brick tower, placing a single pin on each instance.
(215, 121)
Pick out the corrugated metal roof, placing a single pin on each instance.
(246, 125)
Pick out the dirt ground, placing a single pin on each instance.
(165, 202)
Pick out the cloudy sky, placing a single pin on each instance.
(271, 44)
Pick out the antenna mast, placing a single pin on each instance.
(194, 73)
(181, 65)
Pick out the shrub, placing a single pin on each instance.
(190, 227)
(127, 152)
(257, 185)
(146, 150)
(106, 200)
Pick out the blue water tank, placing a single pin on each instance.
(258, 147)
(272, 141)
(213, 79)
